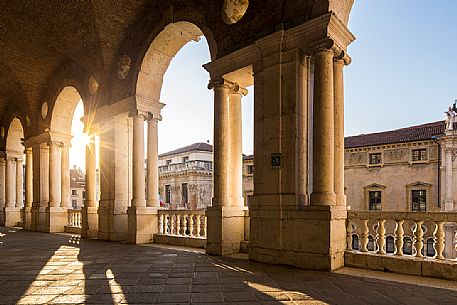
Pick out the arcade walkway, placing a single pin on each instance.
(39, 268)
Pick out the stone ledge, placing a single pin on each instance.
(441, 269)
(193, 242)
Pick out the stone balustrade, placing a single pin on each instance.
(74, 218)
(416, 240)
(190, 165)
(184, 223)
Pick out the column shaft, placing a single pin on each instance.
(10, 182)
(323, 131)
(28, 177)
(139, 190)
(221, 145)
(55, 181)
(236, 153)
(19, 184)
(2, 183)
(90, 174)
(338, 66)
(65, 176)
(152, 164)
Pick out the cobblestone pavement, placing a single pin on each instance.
(39, 268)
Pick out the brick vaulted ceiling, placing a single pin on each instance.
(36, 37)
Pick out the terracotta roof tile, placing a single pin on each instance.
(408, 134)
(192, 147)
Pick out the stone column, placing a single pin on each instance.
(40, 153)
(142, 220)
(226, 216)
(338, 65)
(236, 153)
(19, 184)
(55, 180)
(2, 190)
(89, 211)
(12, 213)
(139, 187)
(65, 176)
(27, 216)
(323, 130)
(152, 164)
(56, 216)
(448, 198)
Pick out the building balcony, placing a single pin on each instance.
(187, 166)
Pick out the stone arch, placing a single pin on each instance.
(13, 137)
(157, 58)
(63, 111)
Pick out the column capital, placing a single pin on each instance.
(344, 58)
(54, 144)
(139, 113)
(233, 88)
(153, 117)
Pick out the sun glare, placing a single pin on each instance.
(79, 140)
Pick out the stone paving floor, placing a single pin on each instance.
(39, 268)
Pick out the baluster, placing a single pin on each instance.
(364, 235)
(439, 240)
(191, 225)
(185, 225)
(381, 236)
(455, 242)
(399, 237)
(349, 235)
(69, 219)
(418, 238)
(166, 223)
(198, 225)
(178, 224)
(80, 218)
(172, 224)
(204, 227)
(160, 223)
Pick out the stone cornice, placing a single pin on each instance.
(48, 136)
(327, 27)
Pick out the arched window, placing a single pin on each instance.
(371, 244)
(407, 245)
(430, 249)
(355, 242)
(390, 246)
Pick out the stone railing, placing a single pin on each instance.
(190, 165)
(418, 243)
(74, 218)
(185, 223)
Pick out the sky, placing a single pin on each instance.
(403, 73)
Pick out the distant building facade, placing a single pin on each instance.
(405, 170)
(77, 187)
(185, 177)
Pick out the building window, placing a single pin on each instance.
(84, 194)
(375, 158)
(420, 154)
(390, 246)
(74, 204)
(418, 200)
(167, 194)
(185, 159)
(74, 192)
(407, 246)
(355, 242)
(168, 162)
(371, 243)
(250, 169)
(184, 193)
(430, 249)
(374, 200)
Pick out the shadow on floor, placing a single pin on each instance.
(39, 268)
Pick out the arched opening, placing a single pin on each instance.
(14, 174)
(355, 242)
(407, 245)
(390, 244)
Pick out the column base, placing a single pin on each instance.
(112, 223)
(27, 218)
(225, 230)
(142, 224)
(56, 218)
(323, 198)
(89, 222)
(35, 217)
(12, 216)
(314, 238)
